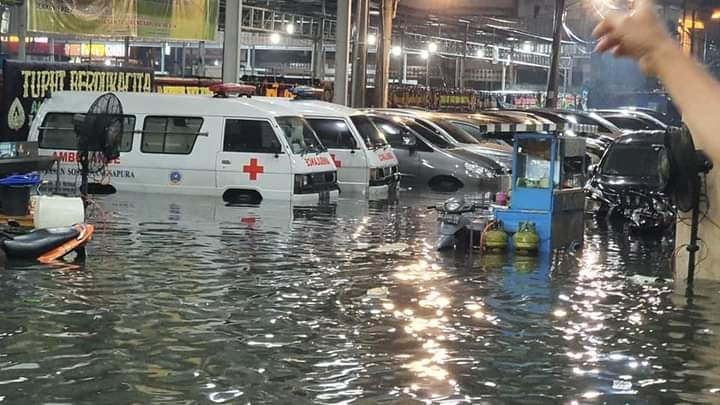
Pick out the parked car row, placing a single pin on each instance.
(277, 148)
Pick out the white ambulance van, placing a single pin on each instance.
(236, 148)
(365, 161)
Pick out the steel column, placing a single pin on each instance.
(342, 45)
(231, 41)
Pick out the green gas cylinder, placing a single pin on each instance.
(494, 236)
(526, 238)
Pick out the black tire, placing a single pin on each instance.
(239, 197)
(445, 184)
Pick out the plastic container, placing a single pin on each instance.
(57, 211)
(15, 193)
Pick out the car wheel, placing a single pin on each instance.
(445, 184)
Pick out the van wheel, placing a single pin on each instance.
(445, 184)
(233, 197)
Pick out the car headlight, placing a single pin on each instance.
(452, 206)
(478, 170)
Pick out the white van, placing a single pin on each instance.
(236, 148)
(364, 159)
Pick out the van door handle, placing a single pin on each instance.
(225, 162)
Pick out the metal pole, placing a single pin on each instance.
(201, 49)
(552, 87)
(404, 67)
(162, 57)
(127, 51)
(22, 31)
(342, 45)
(182, 60)
(359, 67)
(90, 49)
(427, 71)
(52, 49)
(692, 33)
(464, 57)
(683, 26)
(231, 42)
(382, 74)
(502, 79)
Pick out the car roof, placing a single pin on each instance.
(642, 137)
(160, 103)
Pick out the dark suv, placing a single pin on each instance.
(630, 181)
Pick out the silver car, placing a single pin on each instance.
(440, 124)
(426, 158)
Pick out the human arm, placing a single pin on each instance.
(694, 91)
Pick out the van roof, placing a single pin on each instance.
(159, 103)
(312, 107)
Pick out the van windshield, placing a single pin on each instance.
(368, 131)
(300, 136)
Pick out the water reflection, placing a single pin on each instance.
(189, 300)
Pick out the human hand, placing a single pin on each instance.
(638, 35)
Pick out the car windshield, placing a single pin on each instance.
(634, 161)
(455, 132)
(368, 131)
(300, 135)
(429, 134)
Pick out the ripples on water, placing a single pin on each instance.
(190, 301)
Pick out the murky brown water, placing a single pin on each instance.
(184, 300)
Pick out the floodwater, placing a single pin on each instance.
(184, 300)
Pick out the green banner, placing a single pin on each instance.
(150, 19)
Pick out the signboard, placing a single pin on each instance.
(26, 85)
(157, 19)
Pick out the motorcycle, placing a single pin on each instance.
(456, 217)
(47, 245)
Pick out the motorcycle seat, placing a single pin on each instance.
(34, 244)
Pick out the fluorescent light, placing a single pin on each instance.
(432, 47)
(480, 53)
(424, 54)
(275, 38)
(396, 51)
(371, 39)
(374, 12)
(290, 28)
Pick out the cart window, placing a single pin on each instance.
(250, 136)
(58, 132)
(533, 163)
(170, 135)
(333, 133)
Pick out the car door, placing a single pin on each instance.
(348, 155)
(252, 157)
(404, 145)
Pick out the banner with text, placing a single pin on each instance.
(27, 84)
(151, 19)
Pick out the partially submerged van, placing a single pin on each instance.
(231, 147)
(364, 159)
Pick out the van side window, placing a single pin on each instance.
(58, 132)
(333, 134)
(250, 136)
(171, 135)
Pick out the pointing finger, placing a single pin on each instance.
(606, 43)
